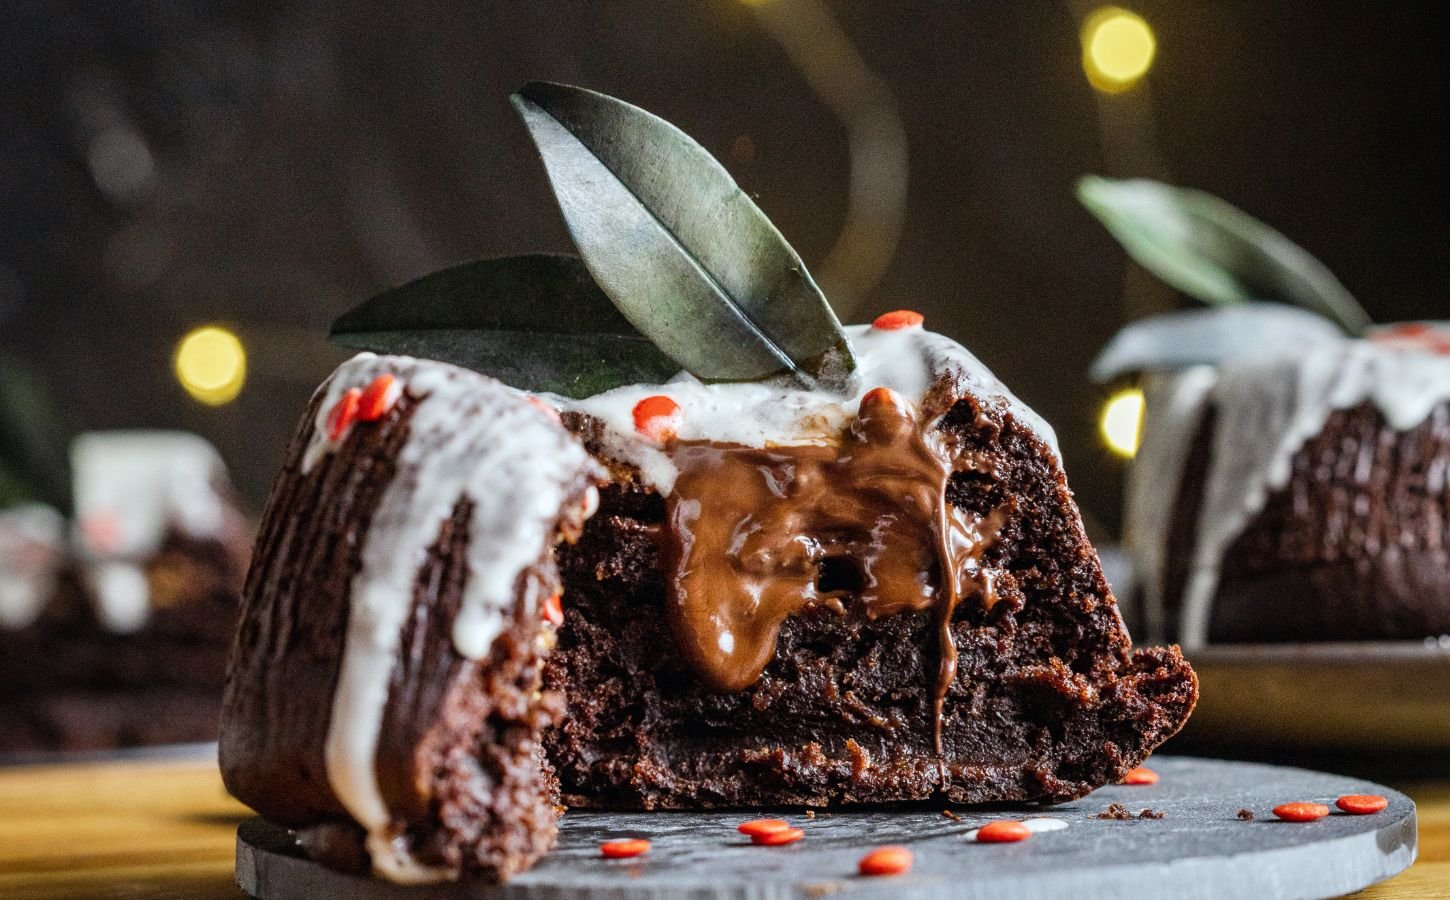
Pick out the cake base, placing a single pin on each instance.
(1199, 849)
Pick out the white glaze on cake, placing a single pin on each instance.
(782, 412)
(1265, 411)
(131, 487)
(32, 548)
(472, 437)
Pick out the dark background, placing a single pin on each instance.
(304, 155)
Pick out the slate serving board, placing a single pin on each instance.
(1198, 850)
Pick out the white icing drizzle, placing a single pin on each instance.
(130, 487)
(32, 547)
(1265, 411)
(469, 436)
(782, 412)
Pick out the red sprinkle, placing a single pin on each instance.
(541, 405)
(777, 838)
(891, 860)
(762, 826)
(657, 418)
(554, 611)
(876, 395)
(1361, 804)
(378, 398)
(1140, 775)
(624, 849)
(1003, 831)
(343, 414)
(901, 318)
(1301, 812)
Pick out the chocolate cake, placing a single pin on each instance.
(1298, 496)
(114, 631)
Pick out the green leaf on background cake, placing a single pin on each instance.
(1193, 337)
(34, 440)
(537, 322)
(1213, 251)
(683, 252)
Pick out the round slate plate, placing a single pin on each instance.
(1387, 696)
(1198, 850)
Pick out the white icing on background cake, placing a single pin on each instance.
(782, 412)
(1265, 411)
(32, 547)
(469, 436)
(130, 487)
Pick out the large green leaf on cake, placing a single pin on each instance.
(537, 322)
(1213, 251)
(686, 255)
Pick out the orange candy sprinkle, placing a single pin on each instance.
(1140, 775)
(762, 826)
(879, 395)
(777, 838)
(1362, 804)
(886, 861)
(554, 611)
(657, 418)
(1003, 831)
(543, 407)
(897, 319)
(1301, 812)
(378, 398)
(340, 419)
(624, 849)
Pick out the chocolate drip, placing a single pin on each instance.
(757, 534)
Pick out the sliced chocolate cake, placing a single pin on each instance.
(827, 566)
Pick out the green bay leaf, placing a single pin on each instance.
(537, 322)
(1213, 251)
(688, 258)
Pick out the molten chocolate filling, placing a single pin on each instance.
(861, 525)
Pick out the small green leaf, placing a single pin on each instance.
(34, 440)
(537, 322)
(681, 250)
(1213, 251)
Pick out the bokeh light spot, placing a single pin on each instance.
(1117, 49)
(211, 365)
(1122, 422)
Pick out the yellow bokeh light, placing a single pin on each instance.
(211, 365)
(1117, 49)
(1122, 422)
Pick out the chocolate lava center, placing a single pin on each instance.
(860, 526)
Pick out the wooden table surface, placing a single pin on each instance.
(167, 829)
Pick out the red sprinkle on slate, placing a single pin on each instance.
(1003, 831)
(1361, 804)
(554, 611)
(657, 417)
(886, 861)
(1301, 812)
(897, 319)
(378, 398)
(762, 826)
(624, 849)
(777, 838)
(1140, 775)
(343, 414)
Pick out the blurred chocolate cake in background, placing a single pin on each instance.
(114, 628)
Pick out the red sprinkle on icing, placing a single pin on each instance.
(541, 405)
(1140, 775)
(378, 398)
(876, 395)
(777, 838)
(340, 419)
(1301, 812)
(897, 319)
(886, 861)
(554, 611)
(624, 849)
(1003, 831)
(1361, 804)
(102, 531)
(762, 826)
(657, 418)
